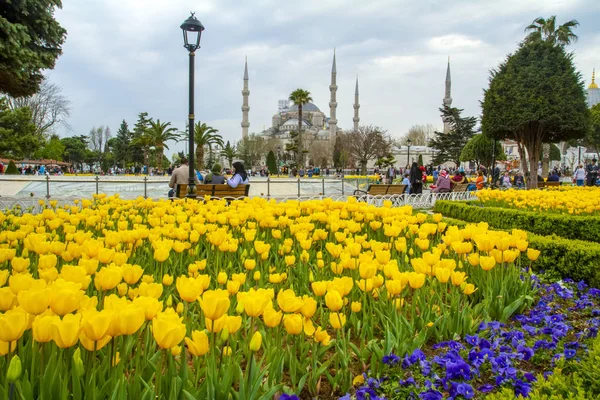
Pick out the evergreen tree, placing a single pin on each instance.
(18, 137)
(420, 160)
(30, 41)
(136, 142)
(449, 145)
(338, 149)
(536, 96)
(272, 162)
(11, 169)
(480, 151)
(122, 145)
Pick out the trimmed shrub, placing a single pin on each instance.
(11, 169)
(271, 163)
(568, 226)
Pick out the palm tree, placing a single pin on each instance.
(229, 153)
(545, 29)
(300, 97)
(205, 135)
(159, 133)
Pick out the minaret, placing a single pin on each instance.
(332, 102)
(245, 107)
(593, 93)
(356, 119)
(447, 97)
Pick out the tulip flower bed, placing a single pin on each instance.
(561, 199)
(145, 299)
(509, 357)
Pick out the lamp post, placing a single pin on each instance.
(192, 31)
(278, 159)
(408, 143)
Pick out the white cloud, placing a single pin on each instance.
(453, 42)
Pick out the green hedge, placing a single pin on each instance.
(562, 258)
(567, 226)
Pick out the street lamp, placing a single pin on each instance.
(408, 143)
(192, 30)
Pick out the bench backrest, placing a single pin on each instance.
(460, 187)
(219, 191)
(381, 190)
(551, 183)
(541, 184)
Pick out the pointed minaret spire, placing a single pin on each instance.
(593, 85)
(332, 102)
(356, 118)
(245, 106)
(448, 95)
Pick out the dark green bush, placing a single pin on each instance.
(560, 257)
(567, 226)
(11, 169)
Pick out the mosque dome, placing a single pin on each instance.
(306, 107)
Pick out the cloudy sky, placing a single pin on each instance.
(122, 57)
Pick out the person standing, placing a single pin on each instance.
(390, 175)
(416, 179)
(239, 175)
(579, 175)
(592, 173)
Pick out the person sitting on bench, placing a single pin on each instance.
(239, 175)
(180, 175)
(443, 184)
(215, 176)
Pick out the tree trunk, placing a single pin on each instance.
(159, 157)
(363, 167)
(199, 156)
(533, 150)
(524, 163)
(545, 159)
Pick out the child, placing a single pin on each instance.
(406, 182)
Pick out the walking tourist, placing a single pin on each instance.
(579, 175)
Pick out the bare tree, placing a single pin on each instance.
(98, 140)
(320, 153)
(49, 107)
(367, 143)
(418, 134)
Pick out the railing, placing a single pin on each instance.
(426, 200)
(50, 187)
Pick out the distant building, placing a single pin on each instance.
(593, 93)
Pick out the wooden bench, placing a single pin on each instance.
(551, 183)
(217, 191)
(382, 190)
(541, 184)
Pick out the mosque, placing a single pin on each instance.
(315, 123)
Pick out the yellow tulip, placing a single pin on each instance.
(12, 324)
(41, 327)
(416, 280)
(214, 303)
(474, 259)
(4, 347)
(255, 304)
(333, 300)
(487, 263)
(34, 301)
(127, 320)
(458, 278)
(533, 254)
(256, 276)
(288, 301)
(19, 264)
(65, 332)
(222, 278)
(233, 323)
(131, 273)
(189, 289)
(292, 324)
(91, 345)
(150, 305)
(442, 274)
(105, 256)
(20, 282)
(167, 280)
(161, 254)
(272, 318)
(337, 320)
(8, 299)
(65, 297)
(3, 277)
(108, 278)
(249, 264)
(47, 261)
(150, 289)
(469, 288)
(255, 342)
(321, 336)
(76, 274)
(319, 288)
(168, 330)
(216, 325)
(356, 306)
(309, 308)
(198, 345)
(95, 324)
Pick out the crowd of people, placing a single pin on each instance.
(181, 175)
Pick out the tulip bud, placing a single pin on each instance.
(170, 301)
(239, 308)
(225, 334)
(78, 363)
(257, 275)
(256, 341)
(14, 369)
